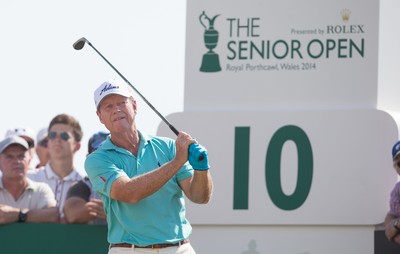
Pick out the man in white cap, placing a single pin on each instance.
(22, 200)
(29, 135)
(143, 179)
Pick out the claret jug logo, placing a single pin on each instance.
(210, 62)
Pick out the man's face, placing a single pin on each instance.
(14, 162)
(61, 143)
(117, 112)
(396, 164)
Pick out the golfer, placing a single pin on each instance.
(142, 179)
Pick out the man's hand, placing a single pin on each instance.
(95, 209)
(392, 233)
(78, 211)
(195, 150)
(182, 144)
(8, 214)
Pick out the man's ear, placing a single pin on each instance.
(134, 104)
(77, 147)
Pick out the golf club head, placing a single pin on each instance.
(78, 45)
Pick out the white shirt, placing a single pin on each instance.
(58, 186)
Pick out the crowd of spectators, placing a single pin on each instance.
(38, 179)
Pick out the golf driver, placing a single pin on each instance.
(79, 44)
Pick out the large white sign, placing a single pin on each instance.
(281, 55)
(283, 95)
(294, 167)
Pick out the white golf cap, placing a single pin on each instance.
(22, 132)
(42, 134)
(13, 140)
(113, 86)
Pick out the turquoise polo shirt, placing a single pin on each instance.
(159, 218)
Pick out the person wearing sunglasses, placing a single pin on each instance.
(82, 204)
(64, 140)
(142, 179)
(392, 220)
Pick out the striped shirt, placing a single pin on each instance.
(58, 185)
(395, 201)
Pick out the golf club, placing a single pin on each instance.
(79, 44)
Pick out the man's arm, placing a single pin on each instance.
(44, 215)
(9, 214)
(132, 190)
(78, 211)
(198, 188)
(392, 233)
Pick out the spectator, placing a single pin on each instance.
(392, 220)
(29, 135)
(143, 179)
(64, 136)
(22, 200)
(96, 140)
(82, 204)
(41, 147)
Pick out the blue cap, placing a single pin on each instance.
(96, 140)
(396, 149)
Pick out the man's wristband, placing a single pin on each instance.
(23, 214)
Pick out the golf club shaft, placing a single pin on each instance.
(79, 44)
(145, 100)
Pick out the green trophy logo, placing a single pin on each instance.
(210, 62)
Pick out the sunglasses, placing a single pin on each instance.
(63, 135)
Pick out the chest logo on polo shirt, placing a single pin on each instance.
(103, 179)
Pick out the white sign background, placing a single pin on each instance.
(350, 182)
(335, 82)
(334, 104)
